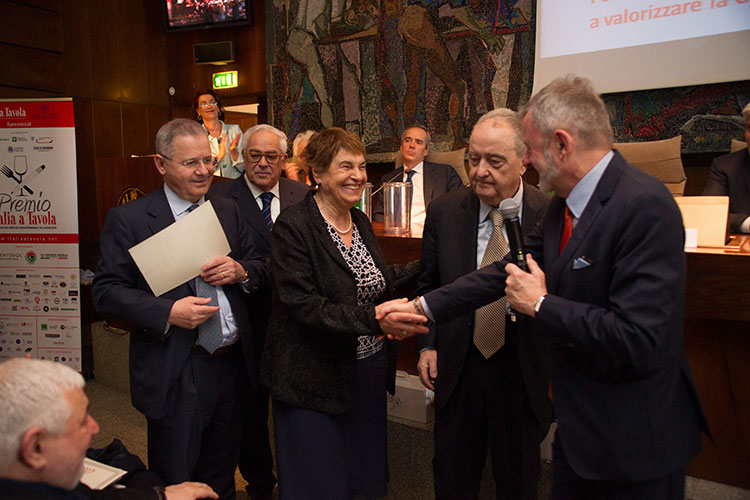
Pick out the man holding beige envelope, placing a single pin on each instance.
(182, 293)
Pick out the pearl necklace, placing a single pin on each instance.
(334, 226)
(344, 231)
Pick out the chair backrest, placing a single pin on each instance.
(660, 159)
(453, 158)
(737, 145)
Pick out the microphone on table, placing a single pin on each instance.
(509, 210)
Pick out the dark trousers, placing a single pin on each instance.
(256, 461)
(489, 409)
(567, 485)
(196, 440)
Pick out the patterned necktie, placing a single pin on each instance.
(489, 321)
(409, 175)
(209, 332)
(567, 229)
(266, 210)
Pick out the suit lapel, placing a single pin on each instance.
(160, 217)
(428, 181)
(466, 232)
(602, 193)
(254, 217)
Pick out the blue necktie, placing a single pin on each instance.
(266, 210)
(409, 175)
(209, 332)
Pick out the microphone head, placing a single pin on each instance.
(509, 208)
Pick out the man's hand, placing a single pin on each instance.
(523, 289)
(396, 305)
(189, 312)
(222, 271)
(399, 324)
(189, 491)
(427, 368)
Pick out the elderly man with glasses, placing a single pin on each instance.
(261, 195)
(189, 347)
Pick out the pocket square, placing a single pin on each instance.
(581, 262)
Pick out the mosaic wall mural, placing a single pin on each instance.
(377, 66)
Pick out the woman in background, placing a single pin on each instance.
(224, 138)
(325, 362)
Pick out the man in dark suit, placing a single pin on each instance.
(492, 398)
(730, 176)
(429, 180)
(261, 195)
(186, 345)
(611, 303)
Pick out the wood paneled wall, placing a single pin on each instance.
(117, 63)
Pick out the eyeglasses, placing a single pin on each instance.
(255, 156)
(207, 104)
(209, 162)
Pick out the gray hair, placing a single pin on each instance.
(571, 104)
(268, 128)
(510, 118)
(428, 138)
(302, 136)
(176, 128)
(32, 392)
(746, 112)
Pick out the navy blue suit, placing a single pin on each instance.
(730, 176)
(256, 461)
(164, 370)
(624, 396)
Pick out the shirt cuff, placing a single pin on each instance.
(745, 226)
(426, 309)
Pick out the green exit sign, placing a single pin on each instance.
(225, 80)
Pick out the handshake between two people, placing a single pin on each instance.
(400, 318)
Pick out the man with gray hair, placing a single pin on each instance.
(45, 430)
(730, 176)
(261, 194)
(191, 348)
(488, 395)
(610, 301)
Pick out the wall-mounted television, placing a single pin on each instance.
(197, 14)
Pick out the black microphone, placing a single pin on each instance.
(509, 210)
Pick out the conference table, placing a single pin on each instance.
(717, 342)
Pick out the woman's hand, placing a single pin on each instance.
(233, 148)
(399, 325)
(222, 148)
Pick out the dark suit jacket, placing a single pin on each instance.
(438, 180)
(730, 176)
(22, 490)
(449, 250)
(310, 351)
(120, 290)
(290, 193)
(624, 396)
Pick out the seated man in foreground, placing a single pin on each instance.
(45, 429)
(730, 176)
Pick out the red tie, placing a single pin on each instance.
(567, 229)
